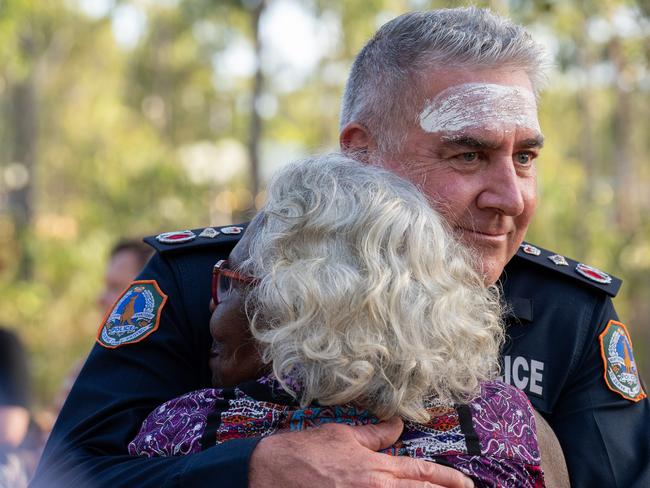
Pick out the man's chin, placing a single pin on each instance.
(492, 267)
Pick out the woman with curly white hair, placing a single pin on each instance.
(347, 301)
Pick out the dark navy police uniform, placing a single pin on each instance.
(557, 322)
(553, 353)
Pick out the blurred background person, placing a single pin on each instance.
(20, 438)
(14, 390)
(127, 258)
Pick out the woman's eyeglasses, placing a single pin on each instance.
(222, 280)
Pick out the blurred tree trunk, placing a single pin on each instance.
(24, 129)
(255, 128)
(626, 217)
(585, 98)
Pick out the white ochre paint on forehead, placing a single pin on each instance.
(480, 105)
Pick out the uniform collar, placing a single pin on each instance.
(519, 308)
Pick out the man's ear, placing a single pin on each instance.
(355, 140)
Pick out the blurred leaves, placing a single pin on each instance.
(126, 132)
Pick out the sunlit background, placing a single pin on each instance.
(129, 118)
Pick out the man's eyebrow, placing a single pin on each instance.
(532, 142)
(466, 141)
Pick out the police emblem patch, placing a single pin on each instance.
(621, 373)
(135, 315)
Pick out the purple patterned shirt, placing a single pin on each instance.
(492, 439)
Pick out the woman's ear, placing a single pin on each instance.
(357, 142)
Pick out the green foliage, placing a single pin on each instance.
(115, 124)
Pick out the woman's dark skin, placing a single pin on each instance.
(234, 356)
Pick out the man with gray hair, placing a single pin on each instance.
(466, 132)
(446, 99)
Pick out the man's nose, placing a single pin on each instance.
(503, 188)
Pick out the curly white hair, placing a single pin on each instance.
(363, 295)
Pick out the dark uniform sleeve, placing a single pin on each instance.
(117, 388)
(605, 437)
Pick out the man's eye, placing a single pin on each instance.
(470, 156)
(523, 158)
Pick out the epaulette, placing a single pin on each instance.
(182, 240)
(585, 274)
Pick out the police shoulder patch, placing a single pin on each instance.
(135, 315)
(621, 373)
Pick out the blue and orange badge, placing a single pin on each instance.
(621, 373)
(135, 315)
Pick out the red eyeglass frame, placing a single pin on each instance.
(219, 269)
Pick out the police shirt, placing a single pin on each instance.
(154, 346)
(564, 343)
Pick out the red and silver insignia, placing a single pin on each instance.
(176, 237)
(558, 260)
(528, 249)
(232, 230)
(593, 274)
(209, 233)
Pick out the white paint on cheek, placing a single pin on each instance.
(480, 105)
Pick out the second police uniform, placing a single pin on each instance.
(566, 349)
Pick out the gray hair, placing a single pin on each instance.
(363, 295)
(384, 86)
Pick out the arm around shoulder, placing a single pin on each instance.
(118, 387)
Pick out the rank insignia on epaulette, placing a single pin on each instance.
(176, 237)
(135, 315)
(593, 274)
(560, 265)
(621, 373)
(558, 260)
(532, 250)
(209, 233)
(233, 229)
